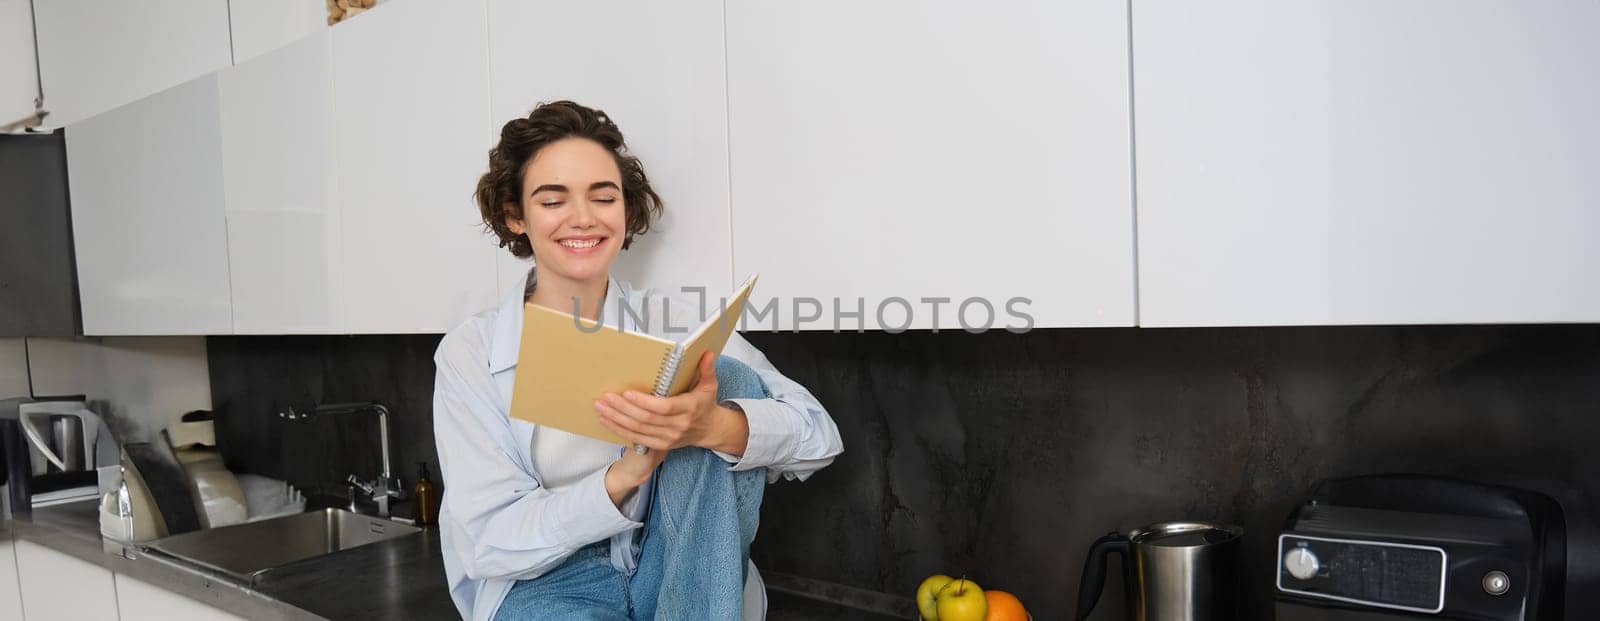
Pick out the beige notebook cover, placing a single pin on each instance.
(562, 370)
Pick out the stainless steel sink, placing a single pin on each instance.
(245, 551)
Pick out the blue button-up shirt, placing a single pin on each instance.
(499, 524)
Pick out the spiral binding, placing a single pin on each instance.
(669, 368)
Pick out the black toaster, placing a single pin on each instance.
(1384, 547)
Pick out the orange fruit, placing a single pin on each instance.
(1004, 606)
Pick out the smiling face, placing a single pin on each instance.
(572, 211)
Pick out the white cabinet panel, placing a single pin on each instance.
(10, 583)
(260, 26)
(19, 78)
(660, 76)
(411, 107)
(139, 601)
(959, 150)
(59, 587)
(1367, 162)
(95, 55)
(277, 153)
(147, 215)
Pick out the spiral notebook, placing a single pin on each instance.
(562, 370)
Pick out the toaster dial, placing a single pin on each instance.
(1302, 563)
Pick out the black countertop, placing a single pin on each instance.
(401, 578)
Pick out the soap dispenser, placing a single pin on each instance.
(425, 497)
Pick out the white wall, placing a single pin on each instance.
(19, 82)
(151, 379)
(13, 368)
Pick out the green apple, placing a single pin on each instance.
(926, 604)
(962, 600)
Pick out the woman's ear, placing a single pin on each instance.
(514, 222)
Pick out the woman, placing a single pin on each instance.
(540, 523)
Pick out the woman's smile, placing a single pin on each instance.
(582, 244)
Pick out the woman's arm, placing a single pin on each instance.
(791, 434)
(516, 527)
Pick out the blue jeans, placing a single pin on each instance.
(696, 543)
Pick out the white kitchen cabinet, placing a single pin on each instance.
(260, 26)
(277, 155)
(10, 582)
(59, 587)
(95, 55)
(959, 150)
(660, 77)
(147, 215)
(1367, 162)
(19, 78)
(411, 109)
(140, 601)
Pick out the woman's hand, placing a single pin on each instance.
(690, 419)
(630, 471)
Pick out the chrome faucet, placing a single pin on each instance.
(386, 486)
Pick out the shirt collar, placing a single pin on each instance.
(508, 321)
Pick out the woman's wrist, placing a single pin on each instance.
(620, 484)
(732, 434)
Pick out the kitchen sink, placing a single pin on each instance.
(245, 551)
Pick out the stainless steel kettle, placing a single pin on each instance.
(1172, 571)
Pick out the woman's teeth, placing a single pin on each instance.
(580, 244)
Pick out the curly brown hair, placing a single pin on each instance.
(499, 192)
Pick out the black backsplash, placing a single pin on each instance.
(1003, 456)
(256, 378)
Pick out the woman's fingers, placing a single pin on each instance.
(660, 406)
(667, 416)
(631, 430)
(635, 410)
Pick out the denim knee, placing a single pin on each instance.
(736, 380)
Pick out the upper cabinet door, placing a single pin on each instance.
(657, 70)
(411, 105)
(974, 152)
(277, 154)
(147, 215)
(19, 78)
(95, 55)
(1367, 162)
(260, 26)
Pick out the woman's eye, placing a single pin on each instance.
(605, 201)
(550, 204)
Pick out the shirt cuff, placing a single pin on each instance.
(773, 434)
(589, 515)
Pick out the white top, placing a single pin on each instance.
(500, 521)
(564, 458)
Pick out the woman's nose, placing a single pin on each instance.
(582, 215)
